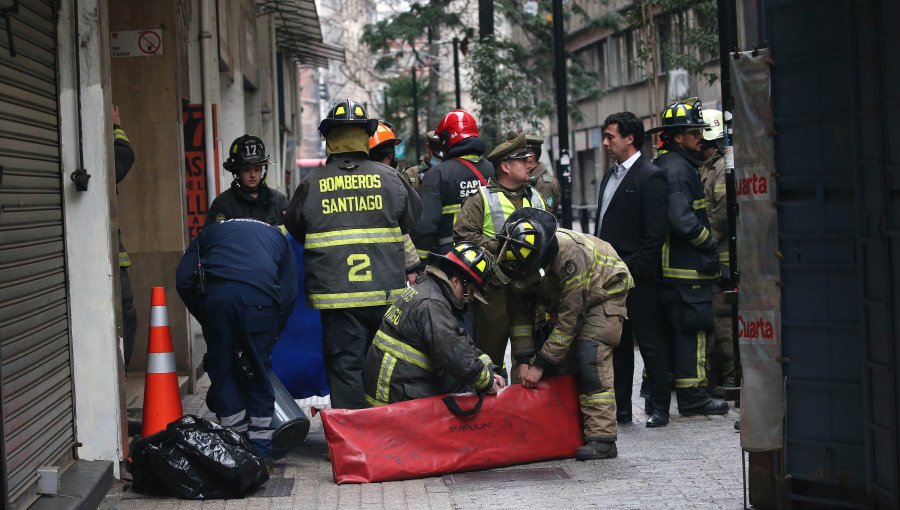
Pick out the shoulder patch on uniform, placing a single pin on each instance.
(569, 268)
(549, 201)
(547, 178)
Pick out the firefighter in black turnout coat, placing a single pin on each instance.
(420, 350)
(351, 216)
(449, 183)
(248, 196)
(690, 264)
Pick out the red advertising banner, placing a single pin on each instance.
(195, 167)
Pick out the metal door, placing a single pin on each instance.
(817, 173)
(35, 366)
(877, 106)
(836, 103)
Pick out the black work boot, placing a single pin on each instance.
(713, 407)
(595, 450)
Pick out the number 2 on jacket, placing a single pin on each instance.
(359, 264)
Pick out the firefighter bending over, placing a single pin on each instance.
(420, 349)
(583, 282)
(239, 279)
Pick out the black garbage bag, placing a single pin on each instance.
(195, 458)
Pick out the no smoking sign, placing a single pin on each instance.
(136, 43)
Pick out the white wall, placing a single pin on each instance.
(91, 240)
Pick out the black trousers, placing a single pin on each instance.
(129, 315)
(645, 324)
(689, 323)
(346, 336)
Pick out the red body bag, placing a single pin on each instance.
(423, 437)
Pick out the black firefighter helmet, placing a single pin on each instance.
(681, 115)
(525, 239)
(347, 113)
(246, 151)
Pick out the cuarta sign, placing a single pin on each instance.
(753, 187)
(756, 326)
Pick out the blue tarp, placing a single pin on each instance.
(297, 357)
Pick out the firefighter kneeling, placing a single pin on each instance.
(581, 280)
(420, 350)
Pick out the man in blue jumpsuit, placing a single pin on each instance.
(239, 279)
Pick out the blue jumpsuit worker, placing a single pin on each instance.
(249, 289)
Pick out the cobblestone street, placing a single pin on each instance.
(693, 463)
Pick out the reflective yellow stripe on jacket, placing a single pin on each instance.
(484, 380)
(352, 299)
(393, 350)
(353, 236)
(583, 279)
(452, 210)
(681, 274)
(402, 350)
(498, 207)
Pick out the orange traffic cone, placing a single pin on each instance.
(162, 400)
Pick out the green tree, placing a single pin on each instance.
(398, 111)
(412, 38)
(692, 42)
(513, 80)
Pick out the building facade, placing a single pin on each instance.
(188, 77)
(614, 54)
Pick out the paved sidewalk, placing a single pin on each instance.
(693, 463)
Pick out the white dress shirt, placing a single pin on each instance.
(618, 174)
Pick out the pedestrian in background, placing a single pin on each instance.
(632, 217)
(249, 196)
(238, 278)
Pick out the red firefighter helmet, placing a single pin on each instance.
(455, 126)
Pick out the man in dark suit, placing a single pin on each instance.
(631, 216)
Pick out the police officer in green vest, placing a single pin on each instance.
(542, 178)
(481, 218)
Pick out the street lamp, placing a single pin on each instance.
(563, 167)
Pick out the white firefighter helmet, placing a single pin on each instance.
(716, 128)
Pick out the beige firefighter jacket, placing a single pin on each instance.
(712, 175)
(586, 272)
